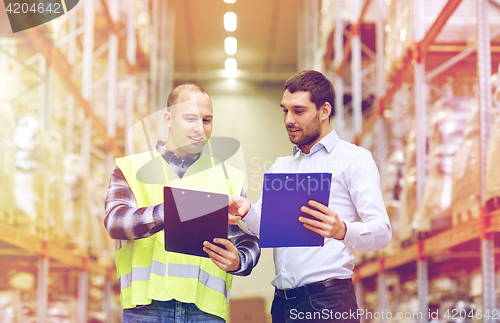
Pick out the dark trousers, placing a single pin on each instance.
(332, 304)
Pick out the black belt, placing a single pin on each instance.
(311, 289)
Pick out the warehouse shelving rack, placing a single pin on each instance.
(479, 233)
(99, 142)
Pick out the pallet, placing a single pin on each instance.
(438, 225)
(76, 247)
(59, 239)
(42, 228)
(408, 242)
(466, 214)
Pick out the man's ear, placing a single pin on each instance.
(325, 110)
(168, 119)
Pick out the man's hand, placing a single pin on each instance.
(238, 208)
(328, 224)
(226, 259)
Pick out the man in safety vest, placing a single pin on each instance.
(157, 285)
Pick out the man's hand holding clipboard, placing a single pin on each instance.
(315, 216)
(327, 224)
(196, 224)
(226, 259)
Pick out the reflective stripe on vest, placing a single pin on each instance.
(191, 271)
(176, 270)
(142, 273)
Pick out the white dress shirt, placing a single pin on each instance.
(356, 196)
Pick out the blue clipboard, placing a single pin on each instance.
(282, 197)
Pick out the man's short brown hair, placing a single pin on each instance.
(318, 85)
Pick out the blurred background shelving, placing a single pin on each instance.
(417, 83)
(66, 86)
(433, 107)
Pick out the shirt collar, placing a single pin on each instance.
(328, 142)
(171, 157)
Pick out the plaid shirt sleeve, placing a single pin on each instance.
(248, 250)
(124, 220)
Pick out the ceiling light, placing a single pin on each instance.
(231, 67)
(230, 45)
(230, 21)
(231, 64)
(229, 1)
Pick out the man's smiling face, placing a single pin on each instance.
(190, 124)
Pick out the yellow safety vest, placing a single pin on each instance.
(146, 271)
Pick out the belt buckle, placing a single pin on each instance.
(290, 294)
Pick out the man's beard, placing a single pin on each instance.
(309, 134)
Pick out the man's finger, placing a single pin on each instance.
(213, 247)
(244, 209)
(317, 214)
(224, 242)
(230, 248)
(233, 219)
(217, 262)
(313, 223)
(315, 229)
(321, 207)
(214, 254)
(239, 205)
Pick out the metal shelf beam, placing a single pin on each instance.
(433, 246)
(338, 59)
(42, 290)
(48, 249)
(354, 31)
(356, 77)
(63, 69)
(484, 75)
(402, 71)
(112, 81)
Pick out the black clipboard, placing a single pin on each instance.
(192, 217)
(282, 197)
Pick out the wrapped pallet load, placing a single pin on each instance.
(99, 241)
(392, 184)
(76, 211)
(398, 30)
(32, 161)
(448, 120)
(56, 190)
(409, 192)
(7, 154)
(10, 306)
(466, 179)
(492, 192)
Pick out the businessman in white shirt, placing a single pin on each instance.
(313, 284)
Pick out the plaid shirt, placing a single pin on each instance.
(124, 221)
